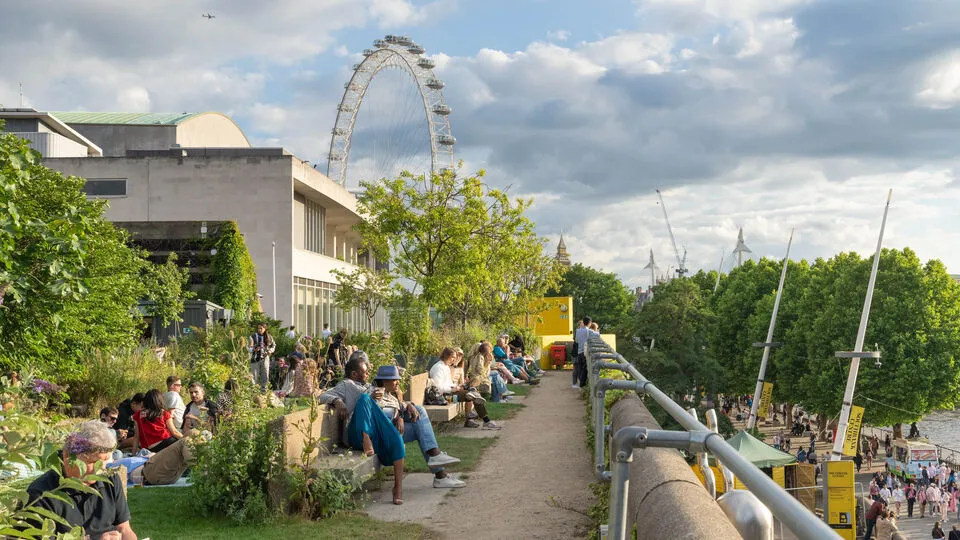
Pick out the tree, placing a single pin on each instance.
(234, 276)
(166, 286)
(462, 245)
(678, 319)
(68, 282)
(366, 289)
(597, 294)
(734, 303)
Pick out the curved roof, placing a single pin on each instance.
(130, 119)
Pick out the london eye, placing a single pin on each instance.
(392, 117)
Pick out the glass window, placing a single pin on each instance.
(114, 187)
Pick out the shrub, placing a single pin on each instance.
(113, 377)
(233, 471)
(233, 273)
(377, 346)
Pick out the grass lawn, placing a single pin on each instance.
(503, 411)
(468, 450)
(520, 389)
(163, 513)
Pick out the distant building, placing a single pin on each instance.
(562, 256)
(168, 177)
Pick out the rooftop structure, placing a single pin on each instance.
(562, 256)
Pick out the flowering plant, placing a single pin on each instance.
(42, 386)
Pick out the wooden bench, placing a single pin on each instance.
(437, 413)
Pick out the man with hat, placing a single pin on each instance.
(413, 423)
(366, 426)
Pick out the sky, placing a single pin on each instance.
(770, 115)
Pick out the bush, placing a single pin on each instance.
(233, 471)
(113, 377)
(377, 346)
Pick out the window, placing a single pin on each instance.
(103, 187)
(315, 307)
(314, 224)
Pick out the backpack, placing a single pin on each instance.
(433, 396)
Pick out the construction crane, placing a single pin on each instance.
(681, 261)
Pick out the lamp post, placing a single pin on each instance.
(274, 261)
(857, 352)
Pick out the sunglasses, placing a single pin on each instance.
(112, 418)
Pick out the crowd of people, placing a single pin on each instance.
(151, 434)
(933, 495)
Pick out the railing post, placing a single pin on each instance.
(703, 461)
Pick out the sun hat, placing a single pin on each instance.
(387, 373)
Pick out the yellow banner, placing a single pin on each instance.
(853, 431)
(765, 396)
(778, 477)
(840, 500)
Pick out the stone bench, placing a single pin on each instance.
(437, 413)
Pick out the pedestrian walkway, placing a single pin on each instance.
(534, 482)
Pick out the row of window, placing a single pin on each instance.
(314, 301)
(105, 187)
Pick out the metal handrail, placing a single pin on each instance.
(804, 524)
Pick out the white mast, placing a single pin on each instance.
(719, 271)
(652, 265)
(752, 421)
(741, 248)
(855, 356)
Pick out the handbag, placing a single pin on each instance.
(433, 396)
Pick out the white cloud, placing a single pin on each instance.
(941, 88)
(558, 35)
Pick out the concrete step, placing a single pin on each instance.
(353, 465)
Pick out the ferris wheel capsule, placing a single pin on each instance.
(436, 84)
(442, 109)
(426, 63)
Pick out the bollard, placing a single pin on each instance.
(703, 461)
(729, 482)
(753, 520)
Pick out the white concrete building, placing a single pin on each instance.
(201, 167)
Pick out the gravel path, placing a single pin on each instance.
(540, 454)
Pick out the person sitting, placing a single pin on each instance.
(155, 427)
(172, 400)
(163, 468)
(102, 511)
(201, 413)
(500, 354)
(126, 410)
(479, 374)
(108, 415)
(441, 377)
(367, 427)
(305, 379)
(413, 423)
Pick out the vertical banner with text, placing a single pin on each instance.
(765, 396)
(853, 431)
(839, 500)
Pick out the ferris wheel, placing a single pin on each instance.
(390, 136)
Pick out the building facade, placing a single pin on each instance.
(297, 223)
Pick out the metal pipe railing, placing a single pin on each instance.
(804, 524)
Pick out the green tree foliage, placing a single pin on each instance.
(166, 286)
(233, 273)
(678, 318)
(467, 248)
(68, 282)
(366, 289)
(735, 301)
(597, 294)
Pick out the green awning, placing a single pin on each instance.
(758, 452)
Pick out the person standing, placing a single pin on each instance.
(261, 346)
(911, 494)
(872, 514)
(581, 336)
(292, 332)
(898, 497)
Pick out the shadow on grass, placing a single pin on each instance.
(162, 513)
(468, 450)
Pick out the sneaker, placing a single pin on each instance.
(533, 381)
(441, 459)
(491, 425)
(471, 423)
(508, 393)
(448, 482)
(472, 416)
(575, 387)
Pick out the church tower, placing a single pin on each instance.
(562, 256)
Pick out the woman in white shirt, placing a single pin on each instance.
(898, 497)
(441, 377)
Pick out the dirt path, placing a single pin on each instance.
(539, 454)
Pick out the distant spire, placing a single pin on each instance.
(741, 248)
(562, 256)
(652, 266)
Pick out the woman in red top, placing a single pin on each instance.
(155, 426)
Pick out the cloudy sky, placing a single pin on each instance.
(765, 114)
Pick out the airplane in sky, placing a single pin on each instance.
(209, 16)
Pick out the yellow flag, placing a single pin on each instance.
(765, 396)
(853, 431)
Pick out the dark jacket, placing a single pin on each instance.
(212, 409)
